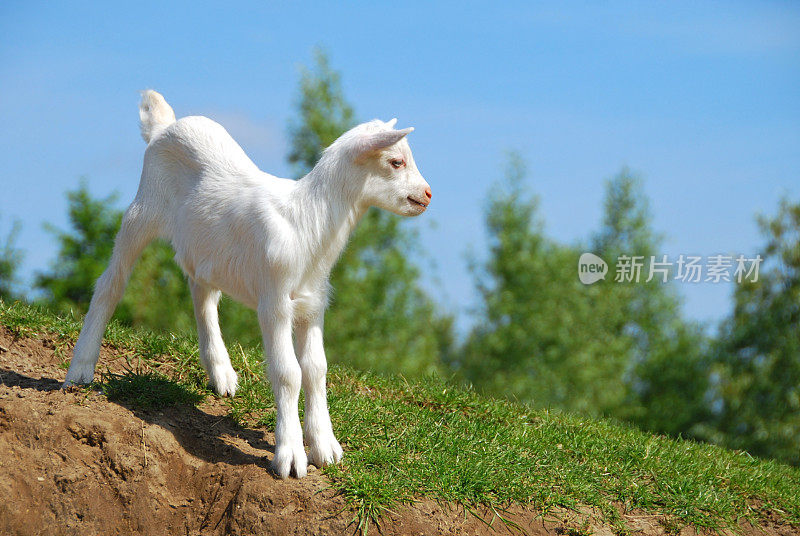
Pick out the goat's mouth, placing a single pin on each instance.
(417, 203)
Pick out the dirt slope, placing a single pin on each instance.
(75, 463)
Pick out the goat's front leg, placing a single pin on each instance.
(275, 318)
(324, 448)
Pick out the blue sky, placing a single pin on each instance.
(702, 99)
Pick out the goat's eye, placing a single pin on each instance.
(397, 163)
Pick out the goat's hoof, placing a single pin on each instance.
(287, 458)
(224, 381)
(77, 377)
(325, 452)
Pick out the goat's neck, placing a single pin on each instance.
(327, 203)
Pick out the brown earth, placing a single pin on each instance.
(73, 462)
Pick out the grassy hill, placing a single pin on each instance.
(427, 442)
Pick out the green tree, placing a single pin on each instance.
(324, 114)
(379, 318)
(84, 251)
(758, 349)
(157, 295)
(539, 335)
(10, 259)
(664, 358)
(608, 348)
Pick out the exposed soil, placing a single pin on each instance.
(76, 463)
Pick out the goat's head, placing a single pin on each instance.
(392, 180)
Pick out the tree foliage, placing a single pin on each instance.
(758, 350)
(665, 366)
(10, 259)
(609, 348)
(323, 114)
(157, 295)
(539, 335)
(83, 251)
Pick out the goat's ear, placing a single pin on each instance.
(391, 122)
(380, 140)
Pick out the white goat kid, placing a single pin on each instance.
(268, 242)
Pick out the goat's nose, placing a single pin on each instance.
(428, 193)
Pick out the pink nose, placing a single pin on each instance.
(428, 193)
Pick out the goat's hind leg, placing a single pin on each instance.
(213, 354)
(134, 234)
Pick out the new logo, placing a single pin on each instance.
(591, 268)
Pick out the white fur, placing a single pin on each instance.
(268, 242)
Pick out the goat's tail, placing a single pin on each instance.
(154, 114)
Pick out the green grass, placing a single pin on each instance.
(148, 390)
(404, 440)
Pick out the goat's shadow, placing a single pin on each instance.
(199, 433)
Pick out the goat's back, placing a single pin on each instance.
(199, 143)
(186, 155)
